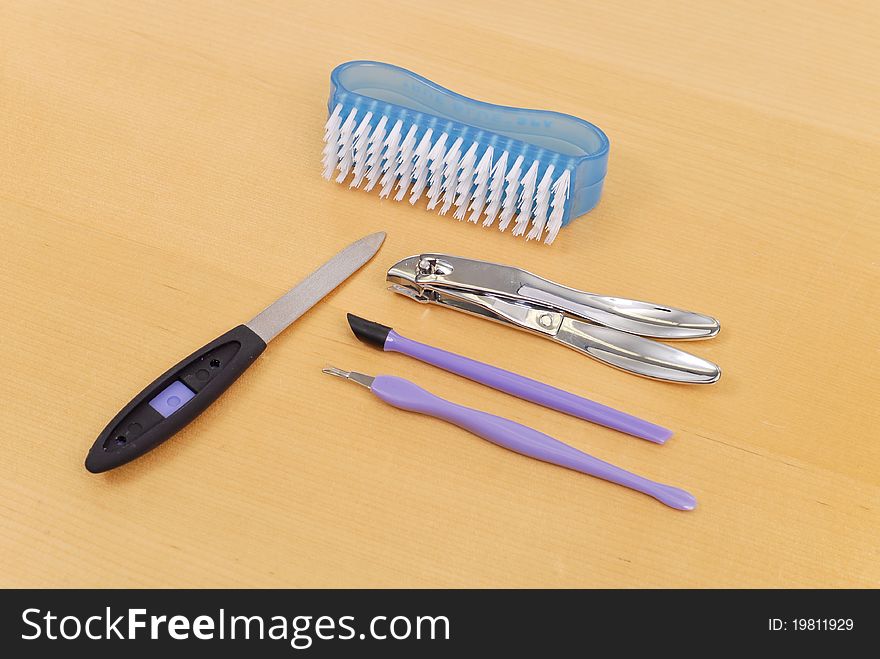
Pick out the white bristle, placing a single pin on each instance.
(508, 207)
(389, 159)
(481, 181)
(468, 162)
(527, 199)
(374, 153)
(420, 167)
(359, 159)
(542, 204)
(435, 170)
(404, 173)
(331, 137)
(560, 196)
(344, 152)
(450, 175)
(333, 120)
(397, 159)
(496, 189)
(465, 182)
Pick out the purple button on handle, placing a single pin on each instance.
(172, 398)
(516, 437)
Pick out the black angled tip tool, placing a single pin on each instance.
(385, 338)
(367, 331)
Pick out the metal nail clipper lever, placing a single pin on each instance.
(614, 330)
(187, 389)
(405, 395)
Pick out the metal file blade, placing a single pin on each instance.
(277, 316)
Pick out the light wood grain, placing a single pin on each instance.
(159, 182)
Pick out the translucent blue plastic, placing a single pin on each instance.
(551, 138)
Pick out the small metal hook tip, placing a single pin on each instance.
(359, 378)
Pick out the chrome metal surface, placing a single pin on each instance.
(645, 357)
(359, 378)
(410, 293)
(632, 316)
(517, 314)
(617, 331)
(302, 297)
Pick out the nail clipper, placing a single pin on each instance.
(613, 330)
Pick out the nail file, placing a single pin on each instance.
(183, 392)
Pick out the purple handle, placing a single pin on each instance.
(528, 389)
(511, 435)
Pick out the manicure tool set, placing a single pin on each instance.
(538, 170)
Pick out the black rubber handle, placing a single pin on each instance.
(174, 399)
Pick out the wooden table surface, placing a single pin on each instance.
(159, 183)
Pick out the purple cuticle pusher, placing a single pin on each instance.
(406, 395)
(520, 386)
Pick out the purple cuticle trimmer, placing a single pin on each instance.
(520, 386)
(406, 395)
